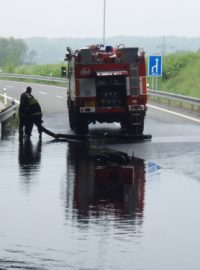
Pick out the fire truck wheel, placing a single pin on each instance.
(71, 121)
(81, 127)
(136, 126)
(71, 115)
(136, 129)
(123, 124)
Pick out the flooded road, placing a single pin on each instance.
(59, 211)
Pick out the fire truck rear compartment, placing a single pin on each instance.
(111, 92)
(112, 104)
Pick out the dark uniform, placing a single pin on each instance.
(30, 113)
(23, 113)
(34, 116)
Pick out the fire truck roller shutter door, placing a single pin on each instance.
(87, 87)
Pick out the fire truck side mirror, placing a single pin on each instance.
(63, 72)
(68, 57)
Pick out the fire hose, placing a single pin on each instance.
(106, 135)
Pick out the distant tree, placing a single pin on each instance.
(30, 58)
(13, 52)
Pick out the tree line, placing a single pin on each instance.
(13, 53)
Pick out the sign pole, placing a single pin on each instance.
(152, 83)
(104, 22)
(156, 88)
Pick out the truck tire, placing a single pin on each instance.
(123, 124)
(136, 129)
(134, 125)
(71, 114)
(80, 127)
(77, 125)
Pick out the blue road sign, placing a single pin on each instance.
(155, 65)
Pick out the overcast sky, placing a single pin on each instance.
(84, 18)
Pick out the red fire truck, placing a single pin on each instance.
(106, 84)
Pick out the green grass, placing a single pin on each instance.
(42, 70)
(53, 70)
(181, 74)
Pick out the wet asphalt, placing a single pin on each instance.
(60, 210)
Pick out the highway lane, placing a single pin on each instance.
(53, 215)
(169, 127)
(52, 98)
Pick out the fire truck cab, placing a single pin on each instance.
(106, 84)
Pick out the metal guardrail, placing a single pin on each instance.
(8, 107)
(33, 77)
(193, 102)
(8, 112)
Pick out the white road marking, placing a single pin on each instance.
(44, 85)
(175, 113)
(43, 93)
(59, 97)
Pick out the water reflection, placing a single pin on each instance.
(95, 189)
(29, 158)
(6, 129)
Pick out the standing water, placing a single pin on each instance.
(59, 210)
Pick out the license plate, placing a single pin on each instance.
(89, 103)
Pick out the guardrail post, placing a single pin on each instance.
(51, 77)
(5, 96)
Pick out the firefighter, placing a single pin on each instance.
(23, 111)
(34, 117)
(30, 113)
